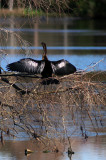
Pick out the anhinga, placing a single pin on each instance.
(44, 67)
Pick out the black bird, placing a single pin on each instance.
(44, 67)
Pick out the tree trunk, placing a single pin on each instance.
(10, 5)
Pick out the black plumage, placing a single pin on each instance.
(44, 67)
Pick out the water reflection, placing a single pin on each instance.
(65, 30)
(80, 61)
(94, 148)
(52, 48)
(81, 42)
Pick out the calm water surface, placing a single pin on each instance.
(81, 42)
(92, 149)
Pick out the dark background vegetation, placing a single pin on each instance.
(48, 111)
(76, 8)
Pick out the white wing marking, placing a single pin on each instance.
(62, 64)
(41, 67)
(34, 64)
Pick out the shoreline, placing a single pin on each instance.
(22, 12)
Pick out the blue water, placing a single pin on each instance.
(54, 48)
(78, 31)
(82, 62)
(82, 43)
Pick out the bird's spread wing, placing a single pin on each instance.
(62, 67)
(27, 65)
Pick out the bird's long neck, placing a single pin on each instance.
(44, 57)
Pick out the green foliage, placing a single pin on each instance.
(32, 12)
(79, 8)
(85, 8)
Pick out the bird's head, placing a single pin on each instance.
(44, 57)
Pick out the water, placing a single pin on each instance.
(94, 148)
(82, 43)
